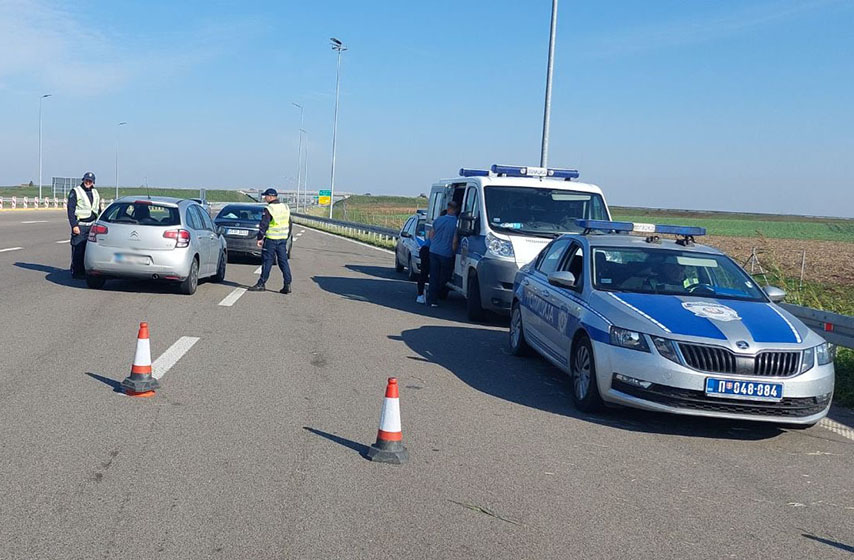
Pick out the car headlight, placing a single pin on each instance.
(666, 348)
(823, 355)
(809, 359)
(498, 247)
(628, 339)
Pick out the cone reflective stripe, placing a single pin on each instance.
(140, 383)
(389, 445)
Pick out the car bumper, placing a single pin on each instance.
(173, 264)
(496, 284)
(677, 389)
(243, 246)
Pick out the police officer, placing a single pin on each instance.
(273, 237)
(84, 203)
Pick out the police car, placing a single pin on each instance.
(407, 251)
(667, 325)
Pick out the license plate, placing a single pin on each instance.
(132, 259)
(745, 390)
(243, 232)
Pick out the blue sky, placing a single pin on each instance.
(731, 105)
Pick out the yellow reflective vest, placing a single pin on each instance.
(85, 209)
(280, 221)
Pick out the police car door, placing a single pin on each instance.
(567, 311)
(539, 302)
(470, 247)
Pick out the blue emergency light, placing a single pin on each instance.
(530, 171)
(473, 172)
(639, 227)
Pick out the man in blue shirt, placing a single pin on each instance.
(443, 245)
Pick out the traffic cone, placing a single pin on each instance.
(389, 446)
(140, 383)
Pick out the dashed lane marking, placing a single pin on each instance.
(10, 249)
(35, 222)
(63, 241)
(231, 298)
(258, 270)
(169, 358)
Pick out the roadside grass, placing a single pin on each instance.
(844, 363)
(214, 195)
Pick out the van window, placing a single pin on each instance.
(436, 199)
(540, 210)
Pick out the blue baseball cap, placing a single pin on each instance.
(270, 192)
(89, 176)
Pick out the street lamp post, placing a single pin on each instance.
(336, 46)
(118, 129)
(40, 141)
(304, 134)
(544, 151)
(299, 152)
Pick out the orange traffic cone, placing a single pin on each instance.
(140, 383)
(389, 446)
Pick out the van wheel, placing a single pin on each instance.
(397, 266)
(411, 272)
(95, 282)
(220, 269)
(474, 308)
(188, 286)
(585, 389)
(518, 344)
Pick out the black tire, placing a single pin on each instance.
(220, 268)
(397, 266)
(95, 282)
(410, 274)
(474, 308)
(518, 344)
(188, 286)
(585, 389)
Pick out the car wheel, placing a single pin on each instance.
(397, 266)
(585, 389)
(188, 286)
(220, 269)
(95, 282)
(411, 275)
(518, 344)
(474, 308)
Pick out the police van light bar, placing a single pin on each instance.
(605, 225)
(473, 172)
(530, 171)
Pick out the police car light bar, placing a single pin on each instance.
(605, 225)
(473, 172)
(529, 171)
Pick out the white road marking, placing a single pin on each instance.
(389, 251)
(63, 241)
(35, 222)
(169, 358)
(837, 428)
(229, 300)
(10, 249)
(258, 270)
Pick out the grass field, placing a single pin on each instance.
(218, 195)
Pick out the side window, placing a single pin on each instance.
(193, 218)
(551, 256)
(207, 219)
(472, 206)
(408, 225)
(435, 204)
(574, 263)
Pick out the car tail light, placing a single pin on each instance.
(181, 237)
(96, 230)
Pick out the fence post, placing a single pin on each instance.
(803, 265)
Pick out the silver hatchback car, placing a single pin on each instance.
(156, 238)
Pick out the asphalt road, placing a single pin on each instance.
(253, 447)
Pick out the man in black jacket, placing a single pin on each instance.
(83, 207)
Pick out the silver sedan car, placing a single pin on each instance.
(156, 238)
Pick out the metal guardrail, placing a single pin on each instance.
(835, 328)
(352, 227)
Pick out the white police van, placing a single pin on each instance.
(507, 215)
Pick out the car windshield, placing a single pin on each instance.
(142, 213)
(540, 210)
(243, 213)
(681, 273)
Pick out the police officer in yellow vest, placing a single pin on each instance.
(84, 204)
(273, 237)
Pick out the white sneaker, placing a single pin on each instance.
(421, 299)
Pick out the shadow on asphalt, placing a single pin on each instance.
(828, 542)
(480, 358)
(62, 277)
(360, 448)
(116, 385)
(387, 272)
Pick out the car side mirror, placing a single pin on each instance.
(405, 234)
(562, 279)
(465, 224)
(775, 294)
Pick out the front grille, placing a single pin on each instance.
(697, 400)
(714, 359)
(708, 358)
(776, 364)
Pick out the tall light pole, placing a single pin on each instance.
(336, 46)
(299, 152)
(305, 164)
(118, 129)
(544, 151)
(40, 141)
